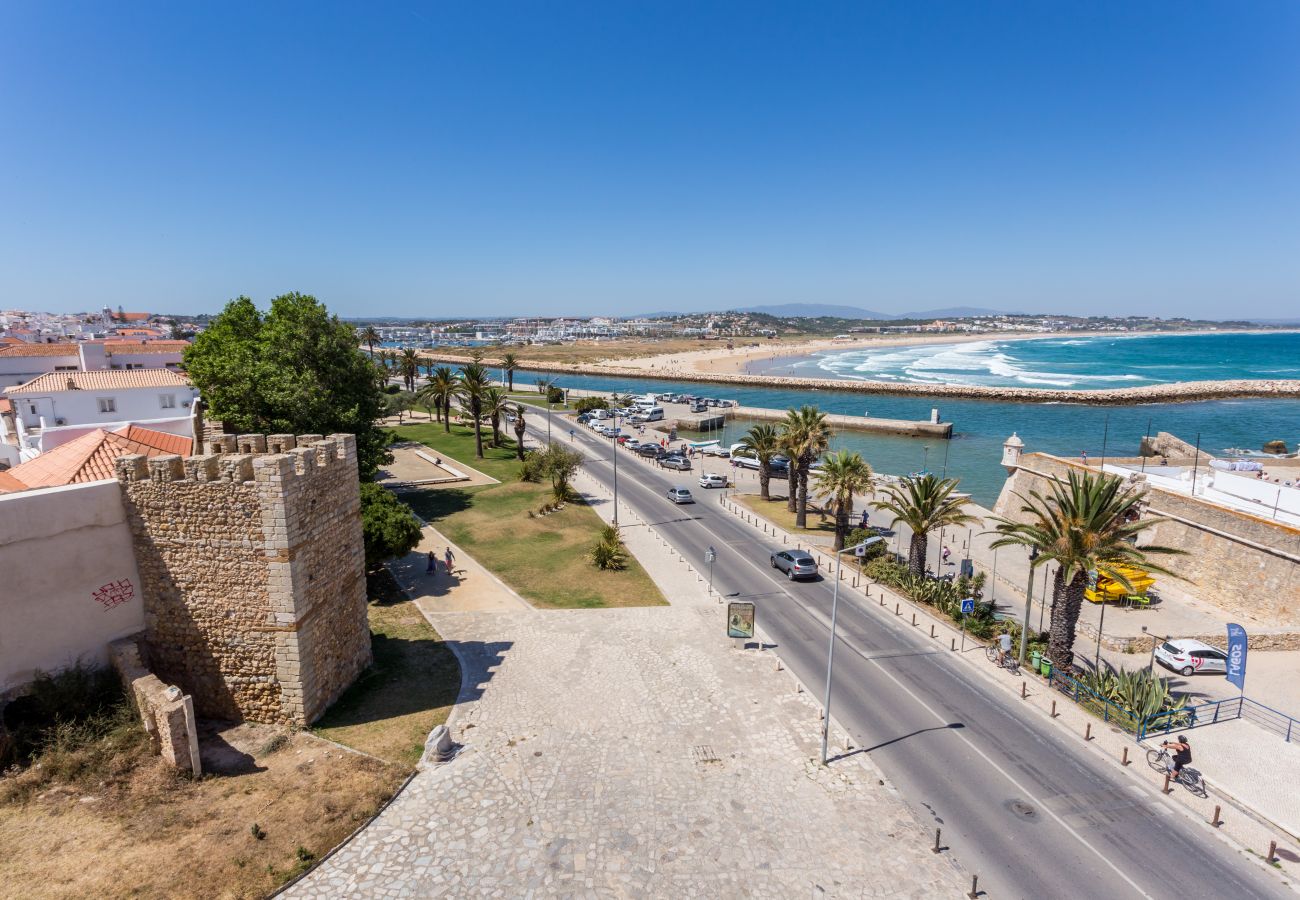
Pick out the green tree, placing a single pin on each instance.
(370, 337)
(556, 462)
(509, 363)
(496, 403)
(589, 403)
(387, 525)
(1088, 524)
(924, 505)
(295, 370)
(408, 365)
(519, 430)
(844, 474)
(806, 437)
(763, 442)
(440, 390)
(472, 387)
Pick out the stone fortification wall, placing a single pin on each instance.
(1234, 560)
(252, 572)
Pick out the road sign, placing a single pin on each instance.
(968, 606)
(740, 619)
(710, 555)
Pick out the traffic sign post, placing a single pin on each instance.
(967, 607)
(709, 556)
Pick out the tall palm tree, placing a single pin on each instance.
(1088, 524)
(370, 337)
(509, 363)
(519, 430)
(441, 388)
(544, 384)
(764, 442)
(472, 386)
(408, 365)
(808, 437)
(386, 357)
(843, 475)
(496, 403)
(924, 505)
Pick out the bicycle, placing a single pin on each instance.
(1010, 663)
(1163, 761)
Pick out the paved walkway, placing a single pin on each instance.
(633, 753)
(468, 588)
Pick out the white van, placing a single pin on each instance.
(602, 414)
(654, 414)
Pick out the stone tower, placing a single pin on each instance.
(253, 572)
(1012, 449)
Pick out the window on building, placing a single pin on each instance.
(167, 401)
(65, 368)
(107, 404)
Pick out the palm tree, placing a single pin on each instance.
(472, 387)
(370, 337)
(544, 384)
(519, 430)
(496, 403)
(1089, 524)
(409, 367)
(843, 475)
(509, 363)
(807, 438)
(924, 505)
(440, 389)
(386, 358)
(763, 442)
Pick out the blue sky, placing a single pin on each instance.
(484, 158)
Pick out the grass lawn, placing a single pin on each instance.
(775, 512)
(409, 688)
(544, 558)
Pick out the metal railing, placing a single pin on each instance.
(1209, 713)
(1090, 700)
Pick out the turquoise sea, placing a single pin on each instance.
(1065, 429)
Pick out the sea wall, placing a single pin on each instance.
(1183, 392)
(1237, 561)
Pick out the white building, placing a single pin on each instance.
(102, 398)
(20, 363)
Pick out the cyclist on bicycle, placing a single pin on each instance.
(1180, 754)
(1004, 647)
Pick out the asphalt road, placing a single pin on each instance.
(1019, 806)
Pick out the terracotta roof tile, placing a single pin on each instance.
(159, 440)
(12, 350)
(91, 457)
(125, 347)
(9, 484)
(101, 380)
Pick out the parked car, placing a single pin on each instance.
(795, 564)
(631, 443)
(699, 407)
(1188, 656)
(583, 418)
(651, 450)
(680, 463)
(717, 450)
(712, 481)
(680, 495)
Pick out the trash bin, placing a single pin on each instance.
(1046, 667)
(1035, 660)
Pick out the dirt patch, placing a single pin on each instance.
(149, 832)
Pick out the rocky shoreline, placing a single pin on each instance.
(1182, 392)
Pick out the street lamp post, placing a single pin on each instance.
(1101, 627)
(830, 652)
(615, 452)
(1029, 602)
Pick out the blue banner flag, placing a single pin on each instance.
(1237, 656)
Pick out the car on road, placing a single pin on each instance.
(1188, 656)
(795, 564)
(680, 463)
(680, 495)
(712, 481)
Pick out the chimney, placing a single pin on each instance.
(72, 383)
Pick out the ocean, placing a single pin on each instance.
(1076, 363)
(1065, 429)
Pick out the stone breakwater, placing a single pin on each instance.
(1180, 392)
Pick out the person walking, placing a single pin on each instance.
(432, 567)
(947, 551)
(450, 560)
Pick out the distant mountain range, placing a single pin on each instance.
(818, 310)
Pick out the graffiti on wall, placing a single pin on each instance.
(115, 593)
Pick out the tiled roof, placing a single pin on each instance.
(9, 484)
(90, 457)
(101, 380)
(12, 350)
(145, 346)
(131, 317)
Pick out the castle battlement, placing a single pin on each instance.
(246, 457)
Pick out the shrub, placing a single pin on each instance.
(532, 467)
(590, 403)
(554, 395)
(608, 553)
(388, 526)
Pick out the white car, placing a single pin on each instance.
(717, 450)
(712, 481)
(1188, 656)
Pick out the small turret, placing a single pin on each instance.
(1012, 449)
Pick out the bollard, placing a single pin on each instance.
(931, 631)
(936, 848)
(1024, 690)
(1123, 760)
(1087, 732)
(974, 887)
(898, 609)
(1216, 821)
(913, 620)
(882, 599)
(1053, 709)
(778, 664)
(1272, 853)
(954, 643)
(1165, 789)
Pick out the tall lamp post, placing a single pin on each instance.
(859, 549)
(615, 452)
(1029, 602)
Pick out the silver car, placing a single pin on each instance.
(712, 481)
(680, 495)
(795, 564)
(680, 463)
